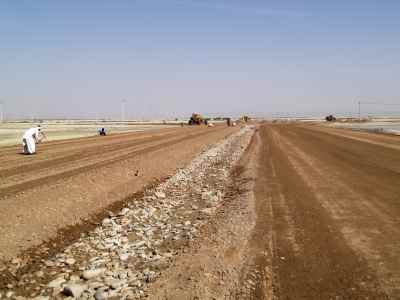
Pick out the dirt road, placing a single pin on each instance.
(335, 206)
(309, 212)
(320, 222)
(68, 181)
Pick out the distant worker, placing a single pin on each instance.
(102, 132)
(228, 122)
(30, 138)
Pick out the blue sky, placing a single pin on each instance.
(172, 57)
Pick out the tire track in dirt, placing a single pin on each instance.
(261, 240)
(327, 267)
(347, 147)
(367, 220)
(378, 139)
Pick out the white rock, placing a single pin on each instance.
(124, 257)
(209, 211)
(9, 294)
(74, 290)
(39, 274)
(16, 261)
(160, 195)
(107, 222)
(49, 263)
(70, 261)
(74, 278)
(90, 274)
(139, 244)
(100, 295)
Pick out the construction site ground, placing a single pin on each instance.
(308, 212)
(69, 181)
(322, 222)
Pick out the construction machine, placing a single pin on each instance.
(245, 119)
(330, 118)
(196, 119)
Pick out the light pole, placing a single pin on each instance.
(1, 112)
(123, 102)
(359, 110)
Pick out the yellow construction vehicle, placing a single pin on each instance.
(196, 119)
(245, 119)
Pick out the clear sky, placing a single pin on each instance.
(172, 57)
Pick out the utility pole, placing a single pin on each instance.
(123, 103)
(359, 110)
(1, 112)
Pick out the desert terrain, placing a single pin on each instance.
(257, 211)
(11, 132)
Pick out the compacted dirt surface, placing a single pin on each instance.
(334, 198)
(265, 211)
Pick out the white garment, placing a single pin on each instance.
(29, 146)
(29, 140)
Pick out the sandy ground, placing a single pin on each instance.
(388, 127)
(68, 181)
(309, 212)
(11, 133)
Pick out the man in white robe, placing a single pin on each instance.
(30, 138)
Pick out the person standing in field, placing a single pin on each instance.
(31, 137)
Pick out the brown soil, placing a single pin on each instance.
(318, 219)
(311, 212)
(67, 182)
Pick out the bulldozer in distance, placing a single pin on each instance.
(196, 119)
